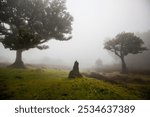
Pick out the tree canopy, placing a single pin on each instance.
(124, 44)
(29, 23)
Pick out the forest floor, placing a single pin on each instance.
(47, 84)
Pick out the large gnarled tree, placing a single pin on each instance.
(124, 44)
(26, 24)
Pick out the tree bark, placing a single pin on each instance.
(124, 67)
(18, 62)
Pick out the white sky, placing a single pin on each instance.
(94, 21)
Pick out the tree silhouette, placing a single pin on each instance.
(26, 24)
(124, 44)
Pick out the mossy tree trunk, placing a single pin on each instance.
(18, 62)
(124, 67)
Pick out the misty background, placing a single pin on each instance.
(95, 21)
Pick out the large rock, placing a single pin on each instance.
(75, 71)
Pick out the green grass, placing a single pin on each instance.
(53, 84)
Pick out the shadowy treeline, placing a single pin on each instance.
(141, 61)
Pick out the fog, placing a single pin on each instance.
(94, 22)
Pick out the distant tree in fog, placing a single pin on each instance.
(99, 63)
(26, 24)
(124, 44)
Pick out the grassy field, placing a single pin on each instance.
(54, 84)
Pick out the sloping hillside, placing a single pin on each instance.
(54, 84)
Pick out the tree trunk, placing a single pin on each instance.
(124, 67)
(18, 62)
